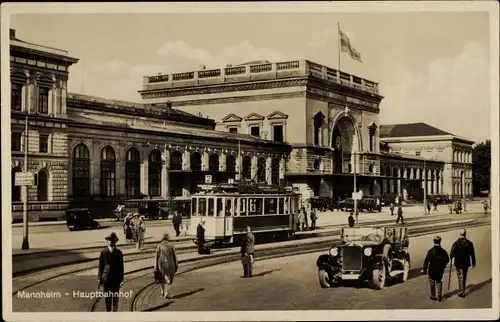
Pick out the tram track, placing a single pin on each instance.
(184, 244)
(289, 250)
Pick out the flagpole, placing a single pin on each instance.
(338, 48)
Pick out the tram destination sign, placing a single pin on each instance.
(24, 179)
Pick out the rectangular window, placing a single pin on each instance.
(43, 100)
(281, 206)
(15, 97)
(278, 133)
(372, 142)
(194, 203)
(233, 130)
(255, 131)
(229, 208)
(418, 153)
(270, 206)
(44, 143)
(219, 211)
(255, 206)
(211, 207)
(243, 206)
(15, 142)
(203, 207)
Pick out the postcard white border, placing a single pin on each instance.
(8, 9)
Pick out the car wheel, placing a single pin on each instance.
(406, 271)
(71, 228)
(377, 281)
(324, 279)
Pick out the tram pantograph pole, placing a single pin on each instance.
(425, 189)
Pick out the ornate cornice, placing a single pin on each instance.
(341, 102)
(238, 99)
(223, 88)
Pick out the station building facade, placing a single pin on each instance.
(295, 123)
(92, 152)
(330, 119)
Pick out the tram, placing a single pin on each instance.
(229, 208)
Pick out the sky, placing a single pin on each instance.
(431, 67)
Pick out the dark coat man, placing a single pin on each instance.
(247, 251)
(313, 219)
(434, 265)
(400, 215)
(200, 236)
(350, 220)
(111, 272)
(177, 221)
(463, 253)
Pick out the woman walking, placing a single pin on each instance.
(166, 265)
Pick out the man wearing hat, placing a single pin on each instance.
(463, 253)
(111, 272)
(434, 265)
(200, 236)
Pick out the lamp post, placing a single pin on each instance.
(463, 189)
(26, 244)
(355, 188)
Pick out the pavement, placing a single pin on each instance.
(291, 283)
(46, 238)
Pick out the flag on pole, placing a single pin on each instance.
(345, 46)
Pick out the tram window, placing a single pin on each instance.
(193, 206)
(270, 206)
(255, 206)
(281, 206)
(243, 206)
(219, 211)
(202, 207)
(287, 206)
(229, 208)
(211, 206)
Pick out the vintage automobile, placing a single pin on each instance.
(366, 254)
(365, 204)
(80, 218)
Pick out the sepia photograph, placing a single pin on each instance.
(250, 161)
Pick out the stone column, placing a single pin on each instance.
(253, 168)
(63, 101)
(268, 171)
(95, 170)
(165, 180)
(144, 175)
(205, 156)
(239, 160)
(222, 162)
(186, 160)
(120, 171)
(399, 191)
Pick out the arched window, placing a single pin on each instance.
(108, 172)
(133, 173)
(414, 173)
(388, 171)
(81, 171)
(176, 160)
(42, 186)
(16, 190)
(275, 171)
(195, 161)
(246, 171)
(154, 174)
(230, 164)
(370, 168)
(261, 170)
(213, 163)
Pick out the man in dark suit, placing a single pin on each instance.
(434, 265)
(200, 236)
(463, 253)
(247, 252)
(111, 272)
